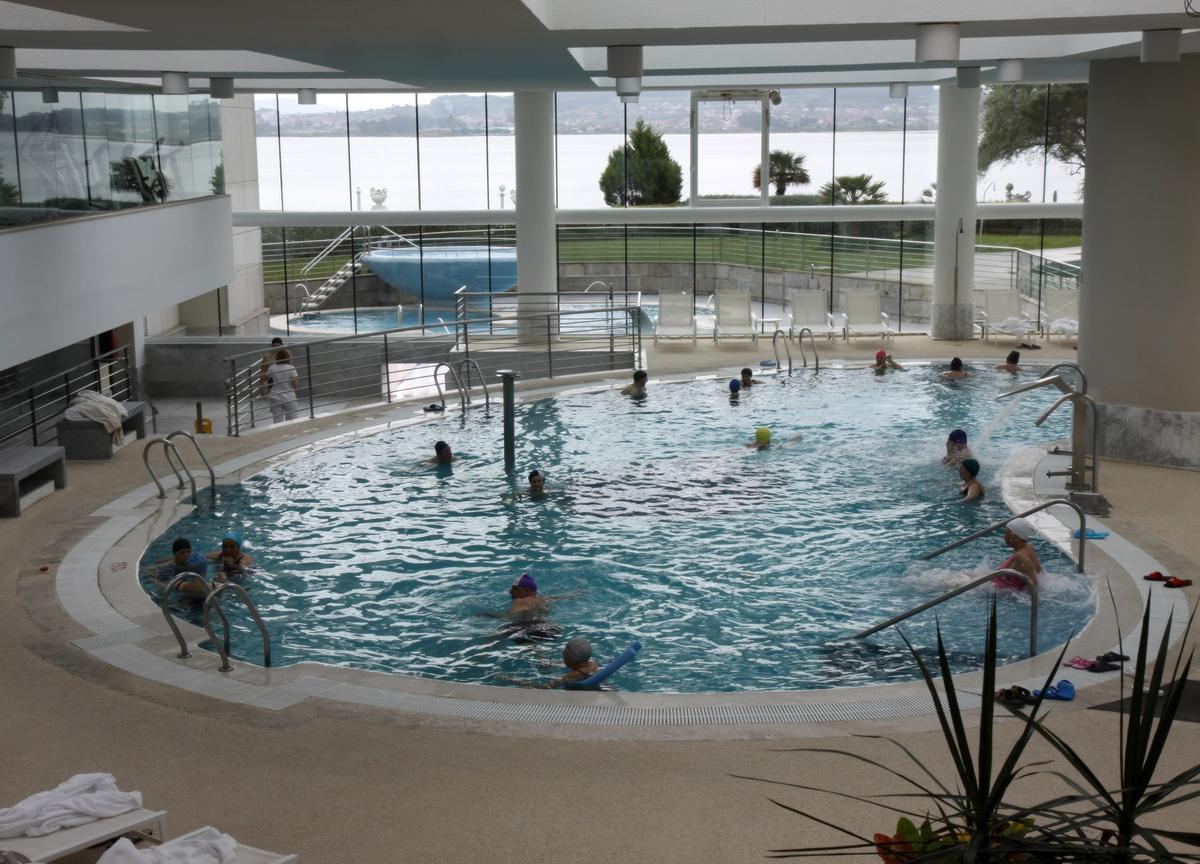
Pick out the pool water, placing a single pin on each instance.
(370, 319)
(737, 569)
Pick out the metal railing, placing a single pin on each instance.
(213, 600)
(1030, 585)
(1045, 505)
(30, 413)
(212, 475)
(166, 610)
(404, 362)
(775, 349)
(813, 343)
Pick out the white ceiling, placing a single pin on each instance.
(499, 45)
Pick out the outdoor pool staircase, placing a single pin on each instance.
(314, 300)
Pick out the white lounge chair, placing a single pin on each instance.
(734, 316)
(245, 854)
(61, 843)
(809, 309)
(865, 316)
(1060, 312)
(1004, 316)
(676, 316)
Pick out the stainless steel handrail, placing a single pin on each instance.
(214, 599)
(1030, 585)
(324, 253)
(813, 343)
(463, 396)
(775, 349)
(1089, 404)
(212, 475)
(469, 363)
(1066, 365)
(168, 450)
(1043, 506)
(165, 603)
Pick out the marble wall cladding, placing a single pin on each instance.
(953, 322)
(1150, 436)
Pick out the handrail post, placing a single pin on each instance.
(508, 378)
(308, 369)
(232, 427)
(33, 415)
(212, 475)
(214, 599)
(549, 349)
(165, 600)
(387, 369)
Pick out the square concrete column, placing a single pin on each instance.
(953, 312)
(537, 271)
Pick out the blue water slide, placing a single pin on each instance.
(433, 275)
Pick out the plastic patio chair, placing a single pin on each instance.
(808, 309)
(1060, 312)
(676, 316)
(734, 316)
(1004, 316)
(865, 316)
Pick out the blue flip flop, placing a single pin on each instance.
(1063, 691)
(1092, 534)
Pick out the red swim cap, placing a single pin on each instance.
(880, 354)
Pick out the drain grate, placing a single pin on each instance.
(118, 637)
(625, 715)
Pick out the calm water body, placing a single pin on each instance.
(737, 569)
(455, 170)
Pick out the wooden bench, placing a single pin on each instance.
(87, 439)
(24, 469)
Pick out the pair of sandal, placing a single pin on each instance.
(1108, 662)
(1063, 691)
(1168, 581)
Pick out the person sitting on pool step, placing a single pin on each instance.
(1024, 559)
(232, 562)
(972, 489)
(638, 387)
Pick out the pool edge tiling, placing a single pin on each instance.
(96, 584)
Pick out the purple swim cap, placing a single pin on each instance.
(958, 436)
(734, 385)
(525, 581)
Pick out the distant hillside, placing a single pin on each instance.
(858, 108)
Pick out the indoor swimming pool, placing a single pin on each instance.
(737, 569)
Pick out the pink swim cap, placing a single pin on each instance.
(880, 354)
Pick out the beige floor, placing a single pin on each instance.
(381, 787)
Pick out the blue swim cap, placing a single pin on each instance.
(197, 563)
(734, 385)
(234, 536)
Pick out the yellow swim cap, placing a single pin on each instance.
(762, 435)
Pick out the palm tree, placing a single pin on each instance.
(787, 169)
(854, 189)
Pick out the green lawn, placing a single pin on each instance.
(1032, 242)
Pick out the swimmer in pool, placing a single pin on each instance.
(537, 484)
(748, 379)
(956, 448)
(232, 562)
(577, 657)
(638, 387)
(972, 490)
(735, 389)
(442, 454)
(762, 439)
(957, 371)
(526, 604)
(1024, 559)
(1010, 363)
(183, 560)
(884, 362)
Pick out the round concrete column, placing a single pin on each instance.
(953, 312)
(1139, 316)
(536, 254)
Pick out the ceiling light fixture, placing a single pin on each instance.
(774, 96)
(898, 90)
(175, 84)
(625, 67)
(1010, 71)
(220, 88)
(306, 96)
(937, 43)
(1161, 46)
(50, 96)
(8, 62)
(967, 77)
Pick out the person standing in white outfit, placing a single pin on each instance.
(283, 382)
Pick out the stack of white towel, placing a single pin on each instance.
(84, 798)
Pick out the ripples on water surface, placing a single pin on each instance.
(737, 569)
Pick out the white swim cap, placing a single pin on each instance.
(1021, 528)
(578, 650)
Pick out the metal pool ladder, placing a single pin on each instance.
(775, 348)
(213, 601)
(177, 464)
(1033, 600)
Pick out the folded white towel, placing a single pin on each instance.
(206, 846)
(84, 798)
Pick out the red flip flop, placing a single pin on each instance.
(1154, 577)
(1177, 583)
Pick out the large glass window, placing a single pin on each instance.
(870, 146)
(453, 152)
(591, 137)
(729, 148)
(134, 173)
(920, 145)
(50, 150)
(383, 151)
(10, 180)
(502, 152)
(802, 126)
(172, 120)
(269, 145)
(315, 161)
